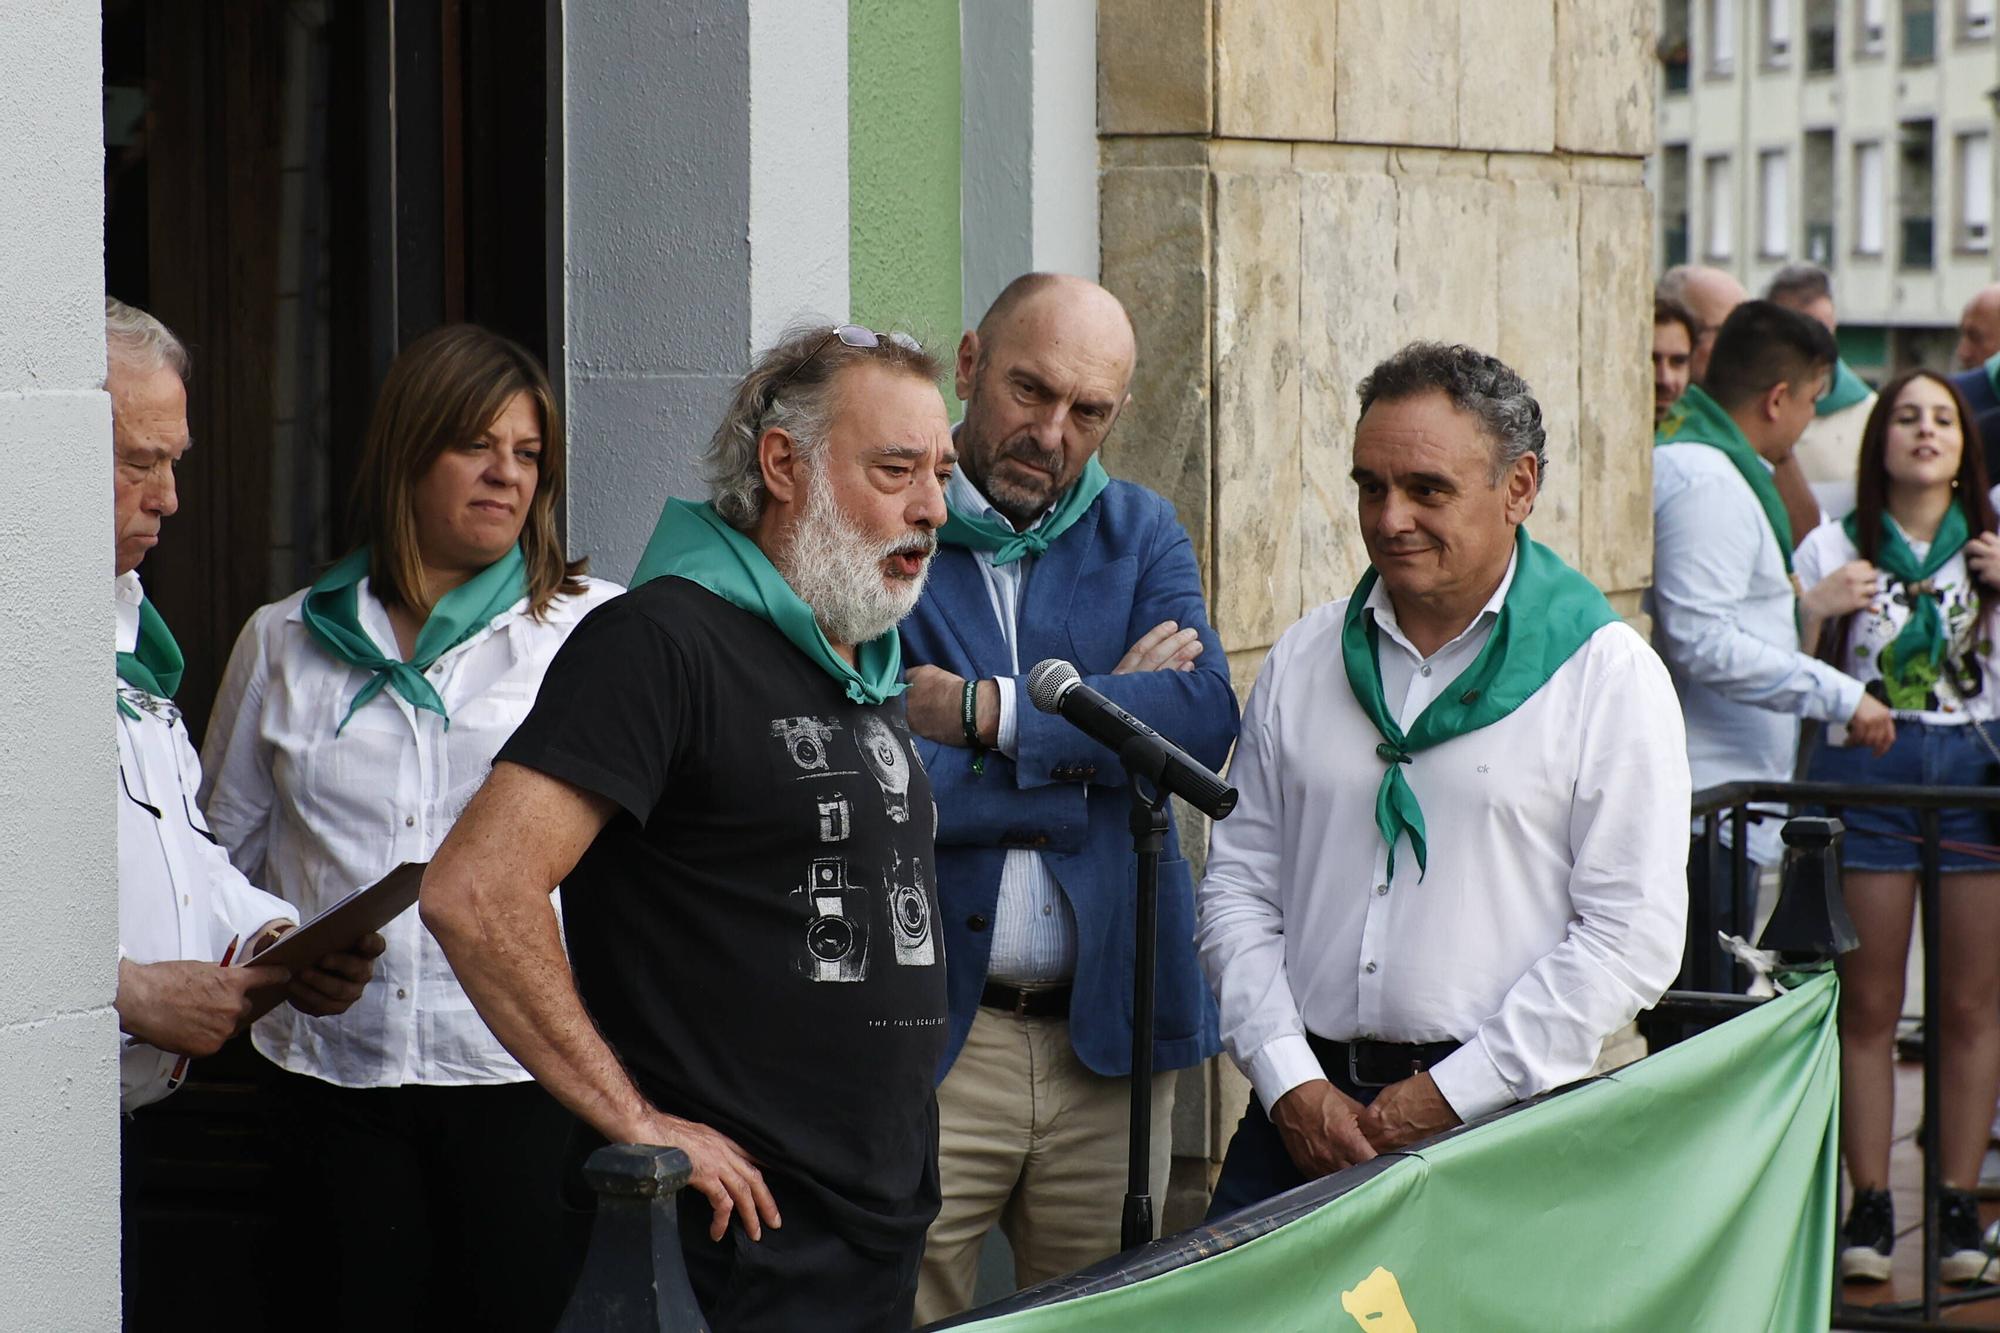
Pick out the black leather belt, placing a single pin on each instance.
(1377, 1064)
(1048, 1001)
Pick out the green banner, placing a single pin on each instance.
(1695, 1189)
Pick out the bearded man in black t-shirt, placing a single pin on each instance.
(718, 772)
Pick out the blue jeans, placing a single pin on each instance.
(1925, 754)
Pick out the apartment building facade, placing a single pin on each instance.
(1857, 134)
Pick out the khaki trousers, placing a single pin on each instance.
(1031, 1139)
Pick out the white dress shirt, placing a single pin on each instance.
(1555, 903)
(1034, 927)
(178, 895)
(318, 815)
(1726, 620)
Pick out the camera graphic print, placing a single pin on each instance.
(864, 900)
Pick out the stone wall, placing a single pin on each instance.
(58, 1032)
(1292, 189)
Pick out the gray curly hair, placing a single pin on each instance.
(1476, 383)
(790, 388)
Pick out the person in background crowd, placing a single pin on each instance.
(184, 912)
(1454, 869)
(1673, 349)
(1977, 380)
(355, 720)
(1046, 556)
(1712, 294)
(1905, 615)
(718, 771)
(1724, 603)
(1827, 447)
(1978, 330)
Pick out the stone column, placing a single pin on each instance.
(1292, 189)
(58, 1032)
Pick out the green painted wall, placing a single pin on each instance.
(903, 160)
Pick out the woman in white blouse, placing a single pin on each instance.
(1906, 614)
(356, 719)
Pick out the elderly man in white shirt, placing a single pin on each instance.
(182, 908)
(1456, 863)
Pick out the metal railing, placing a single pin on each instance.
(1738, 804)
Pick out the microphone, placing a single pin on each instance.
(1055, 687)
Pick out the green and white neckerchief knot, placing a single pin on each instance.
(155, 663)
(1911, 664)
(331, 612)
(995, 536)
(1549, 612)
(1699, 419)
(695, 543)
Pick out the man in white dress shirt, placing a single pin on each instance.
(181, 905)
(1456, 863)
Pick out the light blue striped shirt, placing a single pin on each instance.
(1034, 927)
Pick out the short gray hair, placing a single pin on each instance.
(790, 388)
(1795, 285)
(137, 341)
(1476, 383)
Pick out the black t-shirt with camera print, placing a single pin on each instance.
(753, 933)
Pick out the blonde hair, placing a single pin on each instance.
(440, 393)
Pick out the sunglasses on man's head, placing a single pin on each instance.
(850, 335)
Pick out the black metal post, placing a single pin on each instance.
(1742, 895)
(633, 1279)
(1149, 825)
(1933, 1103)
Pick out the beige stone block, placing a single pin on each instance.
(1256, 407)
(1397, 71)
(1614, 261)
(1243, 668)
(1325, 157)
(1447, 254)
(1604, 76)
(1229, 1097)
(1274, 69)
(1437, 162)
(1538, 337)
(1155, 257)
(1152, 150)
(1347, 323)
(1506, 95)
(1154, 67)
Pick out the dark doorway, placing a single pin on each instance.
(296, 188)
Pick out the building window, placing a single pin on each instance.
(1914, 181)
(1718, 208)
(1674, 44)
(1822, 35)
(1816, 189)
(1975, 192)
(1870, 204)
(1975, 20)
(1674, 203)
(1919, 31)
(1774, 204)
(1777, 33)
(1871, 27)
(1721, 37)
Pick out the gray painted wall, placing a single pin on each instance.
(58, 1032)
(656, 264)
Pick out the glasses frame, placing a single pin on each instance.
(850, 335)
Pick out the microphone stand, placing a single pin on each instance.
(1144, 760)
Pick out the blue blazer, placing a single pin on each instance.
(1122, 568)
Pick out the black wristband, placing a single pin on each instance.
(968, 715)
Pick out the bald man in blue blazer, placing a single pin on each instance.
(1046, 556)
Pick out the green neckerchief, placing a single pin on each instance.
(1549, 612)
(1993, 373)
(987, 532)
(1910, 665)
(155, 662)
(1846, 390)
(1699, 419)
(695, 543)
(331, 614)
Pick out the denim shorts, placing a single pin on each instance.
(1924, 755)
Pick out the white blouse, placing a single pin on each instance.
(316, 815)
(1966, 688)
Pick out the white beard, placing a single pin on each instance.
(836, 569)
